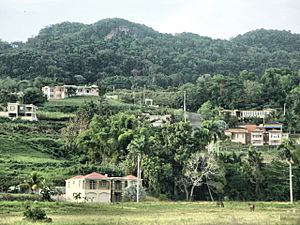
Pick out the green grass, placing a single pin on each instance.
(59, 116)
(74, 101)
(156, 213)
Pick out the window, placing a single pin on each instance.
(69, 183)
(11, 108)
(275, 135)
(92, 184)
(118, 185)
(79, 183)
(103, 184)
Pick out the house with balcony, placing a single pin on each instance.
(20, 111)
(65, 91)
(265, 134)
(243, 114)
(96, 187)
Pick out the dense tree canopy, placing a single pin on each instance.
(118, 52)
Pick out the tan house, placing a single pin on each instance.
(21, 111)
(264, 134)
(96, 187)
(60, 92)
(238, 135)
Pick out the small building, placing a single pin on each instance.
(242, 114)
(20, 111)
(65, 91)
(158, 120)
(96, 187)
(237, 135)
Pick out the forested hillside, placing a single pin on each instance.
(121, 53)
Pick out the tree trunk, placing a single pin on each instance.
(211, 197)
(192, 192)
(291, 182)
(175, 191)
(186, 192)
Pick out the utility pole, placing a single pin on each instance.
(144, 94)
(138, 181)
(184, 105)
(291, 182)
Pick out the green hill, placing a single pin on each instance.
(122, 53)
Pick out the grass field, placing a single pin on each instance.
(156, 213)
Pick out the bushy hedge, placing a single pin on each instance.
(20, 197)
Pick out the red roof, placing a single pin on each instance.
(95, 175)
(77, 177)
(130, 177)
(250, 127)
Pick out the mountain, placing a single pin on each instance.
(121, 53)
(273, 40)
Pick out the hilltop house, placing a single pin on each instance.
(264, 134)
(22, 111)
(242, 114)
(60, 92)
(96, 187)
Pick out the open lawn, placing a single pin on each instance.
(156, 213)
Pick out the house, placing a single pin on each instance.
(264, 134)
(238, 135)
(21, 111)
(60, 92)
(242, 114)
(158, 120)
(96, 187)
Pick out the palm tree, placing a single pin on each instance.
(33, 182)
(287, 151)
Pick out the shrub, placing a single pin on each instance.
(130, 193)
(36, 214)
(20, 197)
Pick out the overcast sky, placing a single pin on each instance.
(21, 19)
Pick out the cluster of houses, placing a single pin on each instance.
(29, 111)
(61, 92)
(265, 134)
(96, 187)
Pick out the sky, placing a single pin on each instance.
(22, 19)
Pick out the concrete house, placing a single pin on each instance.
(21, 111)
(238, 135)
(242, 114)
(264, 134)
(60, 92)
(96, 187)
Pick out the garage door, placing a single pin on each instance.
(104, 197)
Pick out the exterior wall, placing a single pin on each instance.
(257, 138)
(238, 137)
(247, 113)
(255, 113)
(97, 190)
(22, 111)
(275, 138)
(74, 186)
(59, 92)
